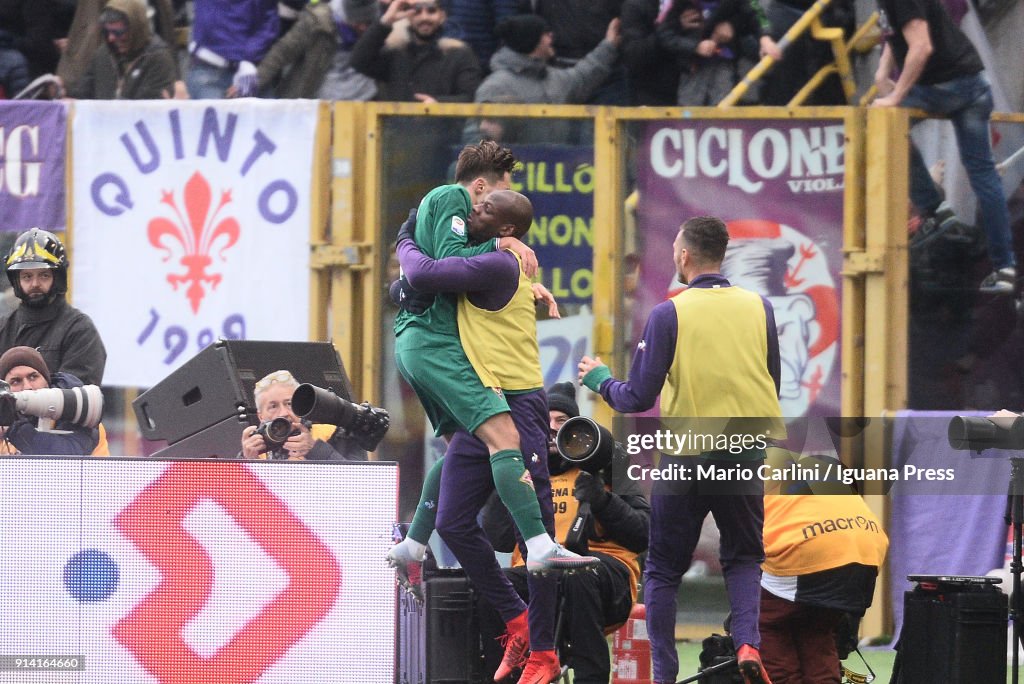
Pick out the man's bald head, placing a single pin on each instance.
(515, 208)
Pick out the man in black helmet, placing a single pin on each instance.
(37, 267)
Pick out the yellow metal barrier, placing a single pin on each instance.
(862, 40)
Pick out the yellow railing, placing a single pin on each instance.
(862, 40)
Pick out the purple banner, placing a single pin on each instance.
(778, 184)
(560, 183)
(32, 160)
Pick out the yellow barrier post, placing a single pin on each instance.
(607, 299)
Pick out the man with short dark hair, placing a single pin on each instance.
(23, 368)
(421, 65)
(37, 267)
(941, 73)
(497, 330)
(431, 358)
(710, 352)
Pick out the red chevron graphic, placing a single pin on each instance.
(153, 521)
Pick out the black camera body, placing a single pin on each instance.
(366, 425)
(588, 446)
(276, 432)
(8, 405)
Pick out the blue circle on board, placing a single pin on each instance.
(91, 575)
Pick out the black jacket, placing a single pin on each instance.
(66, 337)
(446, 69)
(653, 70)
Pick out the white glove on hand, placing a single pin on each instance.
(245, 80)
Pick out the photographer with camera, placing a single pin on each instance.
(23, 368)
(594, 603)
(297, 440)
(815, 585)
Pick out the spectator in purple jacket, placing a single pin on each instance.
(229, 39)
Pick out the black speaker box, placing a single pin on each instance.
(222, 440)
(453, 634)
(214, 389)
(439, 642)
(954, 635)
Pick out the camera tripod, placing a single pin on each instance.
(1015, 519)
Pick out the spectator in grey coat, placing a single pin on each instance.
(521, 71)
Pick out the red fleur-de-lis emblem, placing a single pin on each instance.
(196, 232)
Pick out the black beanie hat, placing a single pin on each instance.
(562, 397)
(522, 32)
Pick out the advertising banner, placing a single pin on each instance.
(560, 183)
(196, 572)
(33, 137)
(191, 223)
(778, 185)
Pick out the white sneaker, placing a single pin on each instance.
(408, 570)
(559, 558)
(1002, 281)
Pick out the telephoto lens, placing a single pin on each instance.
(585, 444)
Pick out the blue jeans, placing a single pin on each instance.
(207, 82)
(967, 101)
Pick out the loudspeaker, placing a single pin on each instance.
(221, 440)
(453, 634)
(953, 633)
(213, 390)
(439, 641)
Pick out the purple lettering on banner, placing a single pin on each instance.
(179, 147)
(264, 145)
(176, 337)
(778, 185)
(33, 137)
(153, 163)
(123, 198)
(291, 199)
(211, 129)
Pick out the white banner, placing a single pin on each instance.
(191, 223)
(197, 572)
(563, 342)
